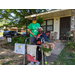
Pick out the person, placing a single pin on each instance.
(33, 30)
(48, 34)
(37, 41)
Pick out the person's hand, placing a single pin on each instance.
(35, 36)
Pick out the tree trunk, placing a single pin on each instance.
(26, 26)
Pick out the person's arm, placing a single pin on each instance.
(45, 37)
(31, 33)
(29, 29)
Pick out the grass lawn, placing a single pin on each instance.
(65, 58)
(1, 33)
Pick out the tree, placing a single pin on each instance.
(16, 17)
(40, 20)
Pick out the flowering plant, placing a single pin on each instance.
(48, 46)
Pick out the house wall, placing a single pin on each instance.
(72, 27)
(57, 26)
(73, 21)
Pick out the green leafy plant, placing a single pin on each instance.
(40, 20)
(70, 45)
(18, 39)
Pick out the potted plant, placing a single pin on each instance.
(47, 48)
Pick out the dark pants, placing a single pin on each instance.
(39, 58)
(32, 40)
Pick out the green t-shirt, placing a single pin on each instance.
(34, 28)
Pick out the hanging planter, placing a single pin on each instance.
(40, 20)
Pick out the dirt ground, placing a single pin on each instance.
(8, 57)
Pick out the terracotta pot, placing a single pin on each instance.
(47, 53)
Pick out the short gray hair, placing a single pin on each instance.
(40, 28)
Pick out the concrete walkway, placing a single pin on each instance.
(55, 52)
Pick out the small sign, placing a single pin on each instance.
(9, 39)
(19, 48)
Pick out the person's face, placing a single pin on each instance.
(34, 21)
(39, 30)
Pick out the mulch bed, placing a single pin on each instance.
(7, 47)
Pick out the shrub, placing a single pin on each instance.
(40, 20)
(18, 39)
(70, 45)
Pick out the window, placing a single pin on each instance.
(49, 25)
(44, 28)
(49, 22)
(44, 24)
(49, 28)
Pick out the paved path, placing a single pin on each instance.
(55, 52)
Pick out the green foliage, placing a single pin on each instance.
(40, 20)
(70, 45)
(16, 17)
(47, 50)
(63, 59)
(18, 39)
